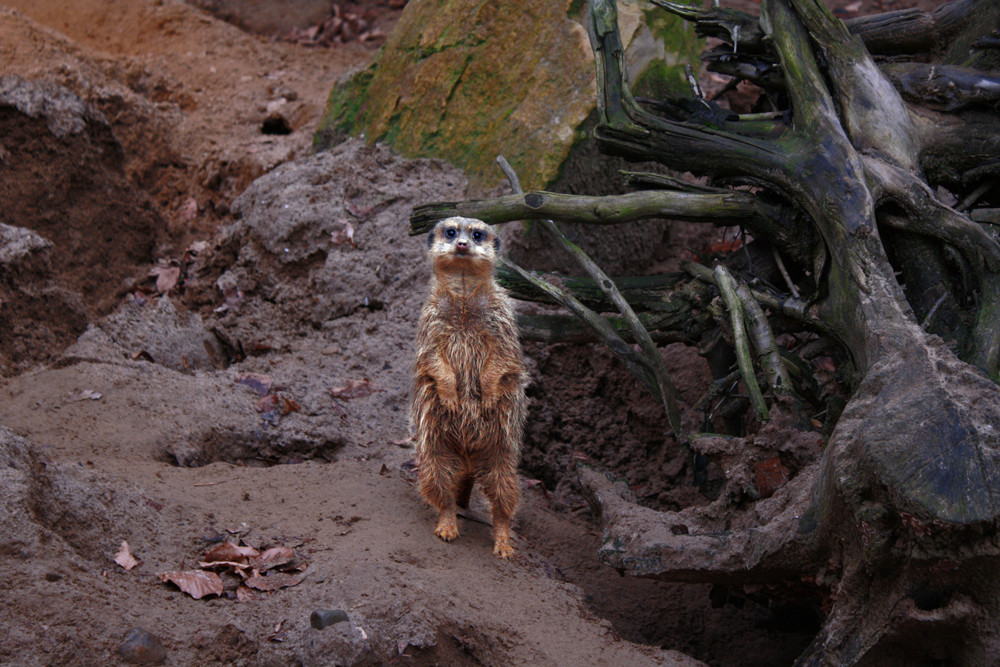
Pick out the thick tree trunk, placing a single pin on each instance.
(910, 478)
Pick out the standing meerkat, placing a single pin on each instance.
(468, 402)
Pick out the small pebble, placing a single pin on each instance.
(321, 618)
(142, 648)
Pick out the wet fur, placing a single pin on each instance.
(468, 401)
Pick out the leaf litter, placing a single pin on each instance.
(274, 568)
(125, 558)
(354, 389)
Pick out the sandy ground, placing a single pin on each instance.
(218, 413)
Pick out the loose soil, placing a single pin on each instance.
(180, 332)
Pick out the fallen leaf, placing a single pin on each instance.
(224, 564)
(198, 247)
(724, 247)
(256, 381)
(354, 389)
(84, 395)
(278, 635)
(166, 277)
(272, 558)
(770, 476)
(274, 581)
(125, 558)
(189, 210)
(197, 583)
(268, 403)
(244, 594)
(229, 552)
(343, 235)
(288, 405)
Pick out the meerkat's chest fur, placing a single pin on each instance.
(465, 331)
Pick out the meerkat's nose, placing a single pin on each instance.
(462, 243)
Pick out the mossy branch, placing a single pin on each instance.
(665, 387)
(768, 355)
(731, 207)
(727, 288)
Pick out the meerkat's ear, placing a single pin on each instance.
(496, 244)
(430, 238)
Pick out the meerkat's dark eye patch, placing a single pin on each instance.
(450, 232)
(477, 236)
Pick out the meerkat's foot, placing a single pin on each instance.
(447, 528)
(503, 549)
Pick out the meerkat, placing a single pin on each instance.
(468, 401)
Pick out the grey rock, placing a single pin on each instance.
(142, 648)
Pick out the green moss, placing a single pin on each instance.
(661, 81)
(344, 108)
(448, 84)
(665, 78)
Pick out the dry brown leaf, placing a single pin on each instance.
(272, 558)
(278, 635)
(229, 552)
(125, 558)
(268, 403)
(166, 277)
(196, 583)
(274, 581)
(354, 389)
(189, 210)
(224, 564)
(198, 247)
(770, 475)
(244, 594)
(256, 381)
(343, 235)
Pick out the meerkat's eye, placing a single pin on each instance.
(477, 236)
(450, 232)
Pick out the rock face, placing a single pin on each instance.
(74, 227)
(37, 316)
(63, 176)
(472, 79)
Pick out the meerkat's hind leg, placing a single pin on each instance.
(500, 487)
(437, 484)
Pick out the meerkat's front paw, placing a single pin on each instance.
(503, 549)
(447, 529)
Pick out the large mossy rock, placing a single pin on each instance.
(466, 80)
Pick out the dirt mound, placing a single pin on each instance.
(64, 179)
